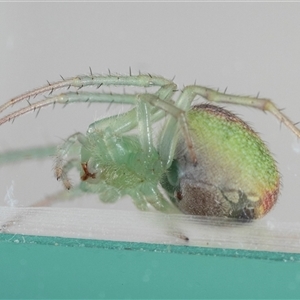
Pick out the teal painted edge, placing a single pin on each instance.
(148, 247)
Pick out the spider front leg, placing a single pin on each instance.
(81, 82)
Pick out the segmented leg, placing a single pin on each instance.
(63, 162)
(148, 192)
(30, 153)
(91, 80)
(125, 122)
(190, 92)
(71, 97)
(180, 117)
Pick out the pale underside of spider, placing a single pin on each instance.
(205, 161)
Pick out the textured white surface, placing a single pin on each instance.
(136, 226)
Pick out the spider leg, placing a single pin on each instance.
(65, 169)
(179, 119)
(168, 141)
(71, 97)
(63, 164)
(143, 113)
(148, 192)
(190, 92)
(89, 80)
(120, 123)
(26, 154)
(165, 92)
(151, 195)
(60, 196)
(127, 121)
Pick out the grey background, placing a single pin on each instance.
(247, 47)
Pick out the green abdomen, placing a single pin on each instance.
(236, 176)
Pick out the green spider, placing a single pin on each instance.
(206, 161)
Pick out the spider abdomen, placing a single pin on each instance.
(235, 175)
